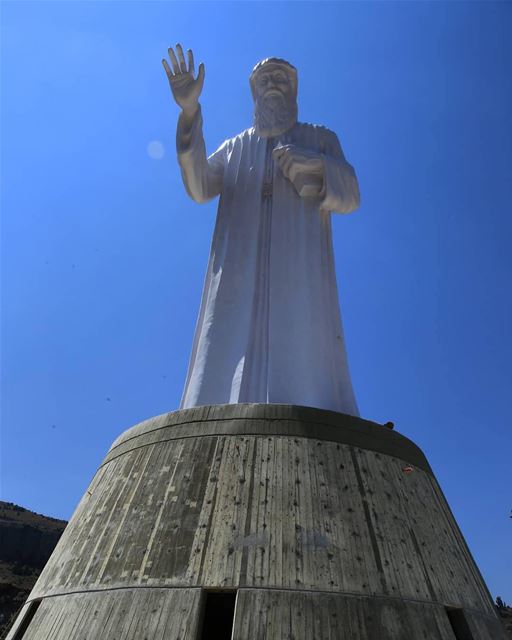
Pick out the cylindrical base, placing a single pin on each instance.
(324, 525)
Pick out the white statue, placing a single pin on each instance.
(269, 328)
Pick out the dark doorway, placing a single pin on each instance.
(219, 611)
(459, 624)
(27, 619)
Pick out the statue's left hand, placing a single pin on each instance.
(302, 167)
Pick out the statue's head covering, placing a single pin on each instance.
(270, 63)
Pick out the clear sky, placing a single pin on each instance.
(103, 255)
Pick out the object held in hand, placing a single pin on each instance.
(302, 167)
(307, 185)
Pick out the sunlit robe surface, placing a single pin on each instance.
(269, 328)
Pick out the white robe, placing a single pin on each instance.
(269, 327)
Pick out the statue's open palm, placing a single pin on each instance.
(185, 88)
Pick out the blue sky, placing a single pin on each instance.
(103, 255)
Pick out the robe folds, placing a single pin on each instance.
(269, 328)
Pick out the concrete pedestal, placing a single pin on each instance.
(324, 525)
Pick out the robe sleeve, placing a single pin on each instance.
(340, 192)
(202, 175)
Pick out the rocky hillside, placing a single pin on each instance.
(26, 541)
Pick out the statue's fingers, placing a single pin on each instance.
(181, 58)
(281, 161)
(174, 60)
(191, 67)
(287, 164)
(168, 71)
(276, 157)
(200, 76)
(278, 152)
(290, 162)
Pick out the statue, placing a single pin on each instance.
(269, 327)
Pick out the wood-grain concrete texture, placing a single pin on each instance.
(125, 614)
(311, 515)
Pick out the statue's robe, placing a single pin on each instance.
(269, 327)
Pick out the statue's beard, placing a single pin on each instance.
(274, 115)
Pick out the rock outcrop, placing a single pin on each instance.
(27, 540)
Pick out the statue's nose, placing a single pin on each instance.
(272, 85)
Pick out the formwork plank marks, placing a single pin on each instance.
(284, 615)
(124, 614)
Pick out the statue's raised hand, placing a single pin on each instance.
(185, 88)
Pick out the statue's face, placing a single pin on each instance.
(275, 101)
(273, 82)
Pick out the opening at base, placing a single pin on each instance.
(460, 626)
(219, 612)
(27, 619)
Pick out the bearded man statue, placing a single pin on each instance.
(269, 327)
